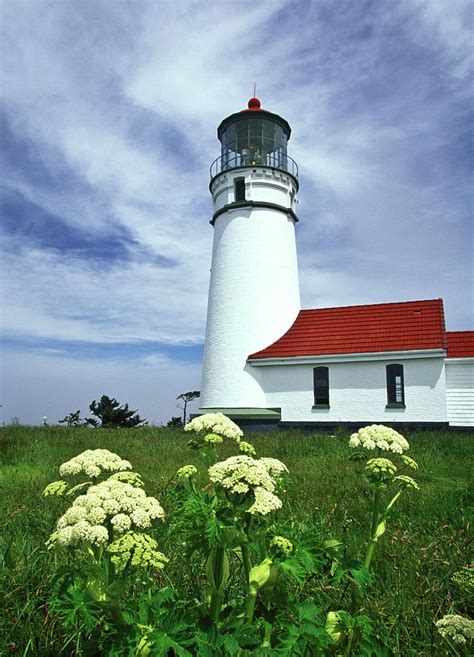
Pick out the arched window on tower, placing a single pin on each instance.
(321, 386)
(395, 386)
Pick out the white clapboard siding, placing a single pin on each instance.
(460, 391)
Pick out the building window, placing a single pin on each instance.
(239, 189)
(395, 386)
(321, 386)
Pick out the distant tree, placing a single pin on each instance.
(111, 414)
(72, 420)
(187, 397)
(175, 422)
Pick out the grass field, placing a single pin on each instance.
(427, 539)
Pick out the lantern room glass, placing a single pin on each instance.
(253, 141)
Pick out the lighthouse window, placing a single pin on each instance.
(395, 386)
(321, 386)
(239, 189)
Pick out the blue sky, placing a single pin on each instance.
(108, 120)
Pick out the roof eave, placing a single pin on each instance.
(348, 358)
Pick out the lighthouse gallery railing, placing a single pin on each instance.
(275, 160)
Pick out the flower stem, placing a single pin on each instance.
(246, 562)
(217, 592)
(373, 528)
(267, 639)
(250, 609)
(215, 605)
(245, 550)
(356, 592)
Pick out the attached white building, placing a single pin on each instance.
(268, 361)
(460, 378)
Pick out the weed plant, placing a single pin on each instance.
(412, 568)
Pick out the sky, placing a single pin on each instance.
(108, 115)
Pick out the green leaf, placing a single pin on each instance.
(337, 624)
(117, 588)
(164, 643)
(97, 589)
(360, 574)
(232, 646)
(231, 536)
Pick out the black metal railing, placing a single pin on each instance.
(276, 160)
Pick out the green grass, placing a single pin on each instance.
(426, 541)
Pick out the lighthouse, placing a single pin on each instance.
(254, 293)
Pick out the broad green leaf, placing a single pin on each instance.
(334, 627)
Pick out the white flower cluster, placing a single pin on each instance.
(242, 474)
(217, 423)
(93, 462)
(122, 505)
(265, 502)
(381, 437)
(239, 474)
(456, 628)
(275, 467)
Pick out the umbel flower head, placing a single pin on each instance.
(111, 507)
(136, 550)
(217, 423)
(93, 463)
(244, 475)
(464, 580)
(247, 448)
(282, 545)
(276, 468)
(381, 437)
(407, 482)
(213, 439)
(457, 629)
(187, 471)
(380, 470)
(265, 502)
(55, 488)
(132, 478)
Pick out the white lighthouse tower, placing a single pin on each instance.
(254, 288)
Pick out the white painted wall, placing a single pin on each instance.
(254, 290)
(357, 391)
(262, 184)
(460, 391)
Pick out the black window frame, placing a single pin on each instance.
(320, 389)
(395, 396)
(239, 189)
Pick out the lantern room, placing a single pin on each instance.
(254, 137)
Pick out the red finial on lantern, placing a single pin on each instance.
(254, 104)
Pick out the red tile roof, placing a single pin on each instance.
(460, 344)
(362, 329)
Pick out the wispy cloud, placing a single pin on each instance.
(109, 114)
